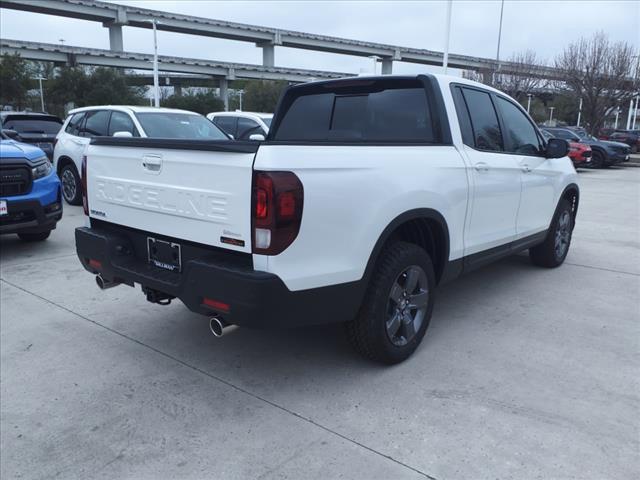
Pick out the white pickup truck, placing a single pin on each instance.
(367, 194)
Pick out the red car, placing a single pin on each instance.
(580, 154)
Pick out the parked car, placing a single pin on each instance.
(368, 193)
(30, 198)
(39, 129)
(125, 121)
(604, 153)
(579, 153)
(603, 133)
(630, 137)
(242, 125)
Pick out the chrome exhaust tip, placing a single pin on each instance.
(217, 325)
(103, 284)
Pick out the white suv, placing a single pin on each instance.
(367, 194)
(242, 125)
(126, 121)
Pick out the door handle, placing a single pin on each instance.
(481, 167)
(526, 168)
(153, 163)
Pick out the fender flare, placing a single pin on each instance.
(414, 214)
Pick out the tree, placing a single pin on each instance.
(262, 95)
(600, 72)
(195, 101)
(14, 80)
(108, 86)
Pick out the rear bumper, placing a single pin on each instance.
(255, 299)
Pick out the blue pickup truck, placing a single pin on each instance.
(30, 201)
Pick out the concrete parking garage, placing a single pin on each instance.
(524, 373)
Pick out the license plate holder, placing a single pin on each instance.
(165, 255)
(3, 208)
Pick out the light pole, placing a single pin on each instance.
(528, 102)
(156, 83)
(240, 93)
(617, 114)
(40, 78)
(635, 113)
(551, 109)
(629, 114)
(445, 58)
(499, 36)
(579, 112)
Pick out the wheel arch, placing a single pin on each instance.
(424, 227)
(63, 161)
(571, 193)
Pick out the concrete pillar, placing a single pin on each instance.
(268, 55)
(224, 93)
(115, 38)
(177, 89)
(387, 66)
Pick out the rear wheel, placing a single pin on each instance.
(597, 159)
(552, 252)
(397, 307)
(71, 187)
(34, 237)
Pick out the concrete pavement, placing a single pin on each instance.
(524, 373)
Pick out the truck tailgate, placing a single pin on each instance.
(188, 190)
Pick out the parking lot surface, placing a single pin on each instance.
(524, 373)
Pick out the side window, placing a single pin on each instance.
(121, 122)
(520, 135)
(484, 121)
(227, 124)
(463, 117)
(73, 127)
(246, 128)
(96, 124)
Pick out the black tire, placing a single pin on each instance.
(550, 254)
(369, 333)
(597, 159)
(71, 185)
(34, 237)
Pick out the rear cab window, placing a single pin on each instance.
(43, 124)
(390, 111)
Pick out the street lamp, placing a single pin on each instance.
(617, 114)
(499, 35)
(635, 113)
(579, 112)
(240, 94)
(528, 102)
(551, 109)
(40, 78)
(445, 58)
(156, 83)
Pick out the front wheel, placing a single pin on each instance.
(552, 252)
(597, 159)
(71, 187)
(397, 306)
(34, 237)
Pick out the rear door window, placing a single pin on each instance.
(96, 124)
(484, 120)
(368, 114)
(75, 123)
(33, 124)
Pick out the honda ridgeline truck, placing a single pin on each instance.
(367, 194)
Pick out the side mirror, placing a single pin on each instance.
(257, 137)
(123, 134)
(557, 148)
(12, 134)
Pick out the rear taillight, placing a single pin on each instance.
(276, 207)
(85, 201)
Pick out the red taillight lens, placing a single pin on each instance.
(85, 201)
(277, 203)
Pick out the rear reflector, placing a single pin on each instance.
(95, 264)
(216, 304)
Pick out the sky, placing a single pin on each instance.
(545, 26)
